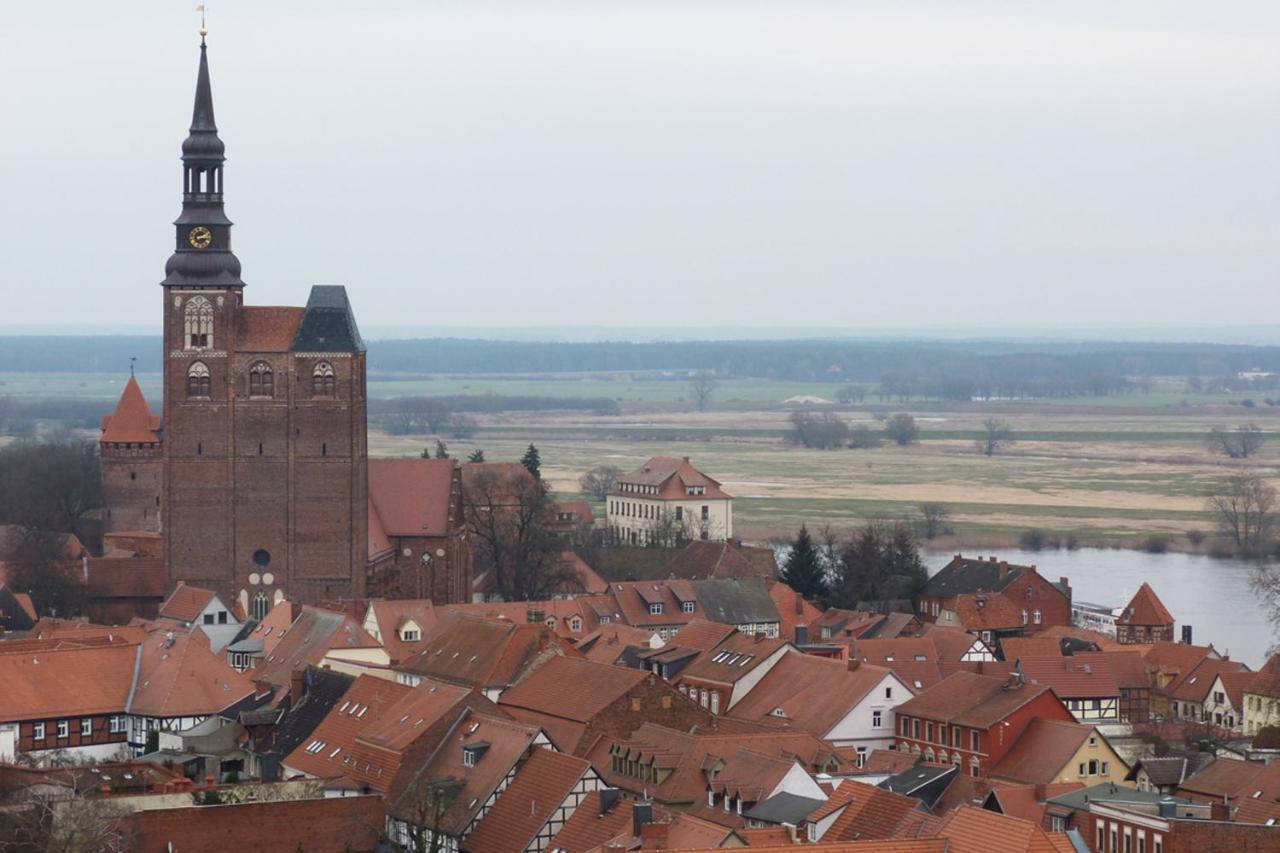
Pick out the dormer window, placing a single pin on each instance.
(472, 752)
(575, 624)
(655, 609)
(686, 606)
(197, 323)
(261, 380)
(410, 635)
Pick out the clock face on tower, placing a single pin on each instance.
(200, 237)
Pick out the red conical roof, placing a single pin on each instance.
(132, 421)
(1146, 608)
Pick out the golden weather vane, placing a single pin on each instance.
(204, 31)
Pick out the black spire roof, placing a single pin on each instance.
(328, 324)
(202, 254)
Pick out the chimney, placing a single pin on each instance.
(641, 813)
(1219, 810)
(608, 799)
(297, 686)
(1002, 570)
(802, 635)
(1063, 582)
(1186, 634)
(653, 836)
(1041, 792)
(853, 664)
(799, 604)
(686, 458)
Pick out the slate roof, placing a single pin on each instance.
(1170, 770)
(783, 807)
(541, 784)
(967, 699)
(915, 777)
(966, 575)
(132, 421)
(1080, 798)
(735, 602)
(328, 323)
(1146, 609)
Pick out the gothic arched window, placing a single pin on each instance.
(260, 607)
(322, 380)
(198, 380)
(197, 323)
(261, 381)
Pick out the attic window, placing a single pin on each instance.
(920, 657)
(655, 609)
(335, 752)
(778, 712)
(746, 660)
(410, 635)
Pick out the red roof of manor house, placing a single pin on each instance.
(132, 421)
(672, 477)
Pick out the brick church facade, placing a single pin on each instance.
(256, 474)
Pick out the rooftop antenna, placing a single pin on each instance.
(204, 31)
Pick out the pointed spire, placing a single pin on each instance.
(132, 421)
(203, 143)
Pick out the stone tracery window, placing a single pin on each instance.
(198, 380)
(197, 323)
(323, 383)
(260, 606)
(261, 380)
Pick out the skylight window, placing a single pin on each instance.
(362, 710)
(344, 707)
(746, 660)
(335, 752)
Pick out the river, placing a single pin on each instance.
(1209, 594)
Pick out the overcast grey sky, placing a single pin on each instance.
(860, 164)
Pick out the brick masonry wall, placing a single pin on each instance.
(650, 701)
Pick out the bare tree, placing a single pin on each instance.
(1240, 443)
(902, 429)
(702, 385)
(933, 520)
(862, 438)
(509, 516)
(600, 480)
(995, 435)
(64, 821)
(1245, 510)
(822, 431)
(462, 426)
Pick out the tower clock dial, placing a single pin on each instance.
(200, 237)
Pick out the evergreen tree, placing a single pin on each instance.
(442, 450)
(532, 462)
(804, 570)
(477, 455)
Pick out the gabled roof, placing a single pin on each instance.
(1146, 609)
(951, 643)
(812, 693)
(1071, 678)
(913, 659)
(572, 689)
(986, 612)
(586, 829)
(483, 653)
(365, 702)
(541, 784)
(328, 323)
(1266, 681)
(704, 559)
(186, 602)
(1176, 658)
(178, 676)
(1041, 751)
(312, 635)
(74, 682)
(607, 643)
(414, 497)
(1194, 685)
(868, 812)
(974, 830)
(265, 328)
(390, 615)
(733, 659)
(1170, 770)
(132, 421)
(1126, 667)
(1014, 648)
(323, 689)
(734, 602)
(966, 699)
(966, 575)
(671, 476)
(701, 635)
(793, 610)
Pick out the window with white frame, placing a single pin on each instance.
(876, 719)
(37, 731)
(86, 727)
(686, 606)
(655, 609)
(64, 728)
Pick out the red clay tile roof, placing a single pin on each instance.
(1126, 667)
(180, 677)
(814, 693)
(977, 701)
(364, 703)
(702, 560)
(986, 612)
(414, 497)
(587, 829)
(508, 741)
(913, 659)
(312, 635)
(634, 597)
(391, 615)
(1194, 686)
(974, 830)
(265, 328)
(606, 643)
(541, 784)
(572, 689)
(1235, 683)
(483, 653)
(1071, 678)
(1041, 752)
(869, 812)
(581, 509)
(132, 421)
(734, 658)
(1176, 658)
(1016, 647)
(1146, 609)
(701, 635)
(890, 761)
(1266, 681)
(186, 602)
(793, 610)
(671, 476)
(914, 845)
(74, 682)
(951, 643)
(1235, 780)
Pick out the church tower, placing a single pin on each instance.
(265, 491)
